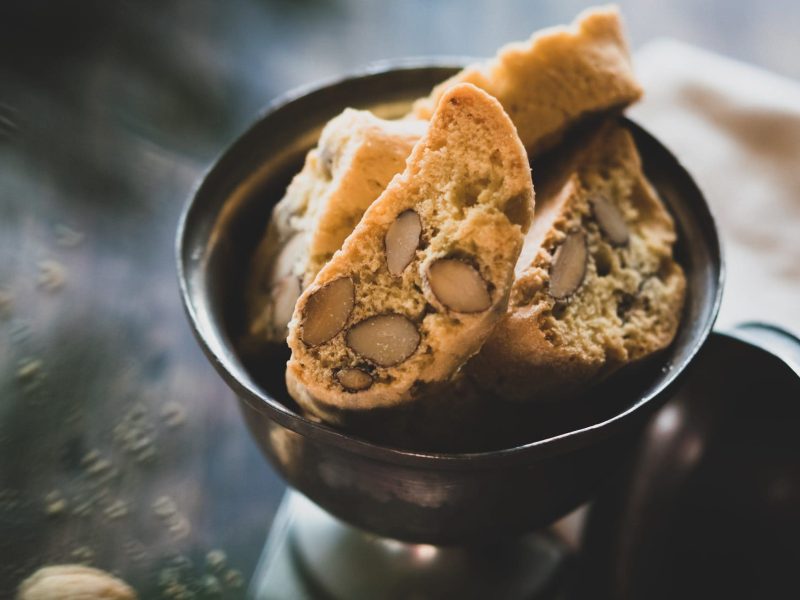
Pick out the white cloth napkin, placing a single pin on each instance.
(736, 129)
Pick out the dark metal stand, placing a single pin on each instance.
(311, 554)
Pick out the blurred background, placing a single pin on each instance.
(119, 447)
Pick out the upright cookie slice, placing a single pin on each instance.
(356, 157)
(557, 78)
(596, 284)
(422, 280)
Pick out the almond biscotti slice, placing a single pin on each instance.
(558, 77)
(425, 276)
(596, 286)
(356, 157)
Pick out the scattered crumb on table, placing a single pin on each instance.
(216, 560)
(116, 510)
(174, 414)
(52, 275)
(67, 237)
(55, 504)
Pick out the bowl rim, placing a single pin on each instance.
(259, 400)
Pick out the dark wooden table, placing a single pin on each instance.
(119, 446)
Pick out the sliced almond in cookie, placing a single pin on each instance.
(569, 265)
(463, 179)
(327, 310)
(354, 380)
(610, 220)
(402, 240)
(458, 286)
(386, 340)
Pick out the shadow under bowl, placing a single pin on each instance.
(431, 497)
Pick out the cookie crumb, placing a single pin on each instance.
(146, 455)
(181, 562)
(55, 504)
(216, 560)
(233, 578)
(210, 586)
(29, 369)
(135, 433)
(175, 590)
(174, 414)
(67, 237)
(135, 550)
(94, 465)
(180, 527)
(83, 508)
(170, 581)
(164, 507)
(52, 276)
(116, 510)
(83, 554)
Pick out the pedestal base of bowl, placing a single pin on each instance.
(311, 554)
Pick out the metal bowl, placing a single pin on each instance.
(415, 496)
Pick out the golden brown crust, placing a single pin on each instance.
(469, 181)
(630, 301)
(555, 79)
(355, 159)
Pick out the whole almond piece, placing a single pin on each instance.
(402, 240)
(610, 220)
(386, 340)
(458, 286)
(73, 582)
(326, 311)
(569, 266)
(354, 380)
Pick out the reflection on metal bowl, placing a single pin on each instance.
(707, 505)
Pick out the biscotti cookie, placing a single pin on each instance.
(555, 79)
(425, 276)
(356, 157)
(596, 284)
(546, 85)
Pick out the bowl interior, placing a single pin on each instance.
(228, 214)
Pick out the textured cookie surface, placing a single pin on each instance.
(596, 284)
(555, 79)
(425, 276)
(357, 156)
